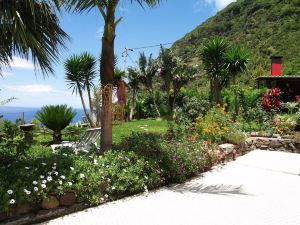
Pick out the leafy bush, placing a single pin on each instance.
(73, 133)
(285, 124)
(56, 118)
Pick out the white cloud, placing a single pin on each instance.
(220, 4)
(19, 63)
(31, 88)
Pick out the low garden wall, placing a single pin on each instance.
(272, 143)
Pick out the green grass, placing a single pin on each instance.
(119, 130)
(151, 125)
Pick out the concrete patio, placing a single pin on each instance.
(260, 188)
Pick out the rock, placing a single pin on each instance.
(276, 136)
(50, 203)
(254, 134)
(23, 208)
(275, 144)
(227, 148)
(67, 199)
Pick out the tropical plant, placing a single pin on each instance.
(30, 28)
(292, 107)
(236, 60)
(147, 71)
(56, 118)
(107, 10)
(271, 100)
(213, 56)
(80, 72)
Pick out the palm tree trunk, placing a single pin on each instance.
(84, 106)
(107, 77)
(133, 104)
(93, 124)
(216, 91)
(152, 93)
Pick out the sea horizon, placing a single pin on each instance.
(12, 113)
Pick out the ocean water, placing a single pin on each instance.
(13, 113)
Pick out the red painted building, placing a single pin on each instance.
(289, 85)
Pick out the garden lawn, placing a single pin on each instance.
(151, 125)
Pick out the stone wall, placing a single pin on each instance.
(273, 144)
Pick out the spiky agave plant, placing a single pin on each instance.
(56, 118)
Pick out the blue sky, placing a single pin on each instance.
(139, 27)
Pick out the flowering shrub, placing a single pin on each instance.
(214, 126)
(139, 163)
(271, 100)
(285, 124)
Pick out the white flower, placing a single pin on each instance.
(65, 154)
(44, 181)
(146, 177)
(35, 189)
(44, 164)
(81, 175)
(34, 182)
(71, 168)
(12, 201)
(42, 177)
(108, 180)
(10, 192)
(27, 192)
(60, 182)
(54, 164)
(56, 173)
(106, 195)
(102, 199)
(43, 186)
(59, 188)
(107, 166)
(113, 188)
(95, 162)
(27, 168)
(54, 167)
(70, 183)
(62, 177)
(49, 178)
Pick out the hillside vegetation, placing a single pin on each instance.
(265, 27)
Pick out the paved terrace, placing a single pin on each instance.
(260, 188)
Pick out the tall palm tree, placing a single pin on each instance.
(213, 57)
(133, 83)
(30, 28)
(147, 70)
(107, 9)
(75, 77)
(236, 61)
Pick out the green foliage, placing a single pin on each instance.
(292, 107)
(17, 36)
(56, 118)
(259, 25)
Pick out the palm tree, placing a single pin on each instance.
(147, 70)
(107, 9)
(75, 68)
(89, 71)
(213, 56)
(236, 61)
(30, 28)
(133, 83)
(56, 118)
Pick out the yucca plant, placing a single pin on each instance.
(56, 118)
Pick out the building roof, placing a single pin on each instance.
(279, 77)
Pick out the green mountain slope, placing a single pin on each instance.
(266, 27)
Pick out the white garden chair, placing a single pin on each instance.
(89, 137)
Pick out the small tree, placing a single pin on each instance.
(56, 118)
(175, 74)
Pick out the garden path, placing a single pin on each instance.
(260, 188)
